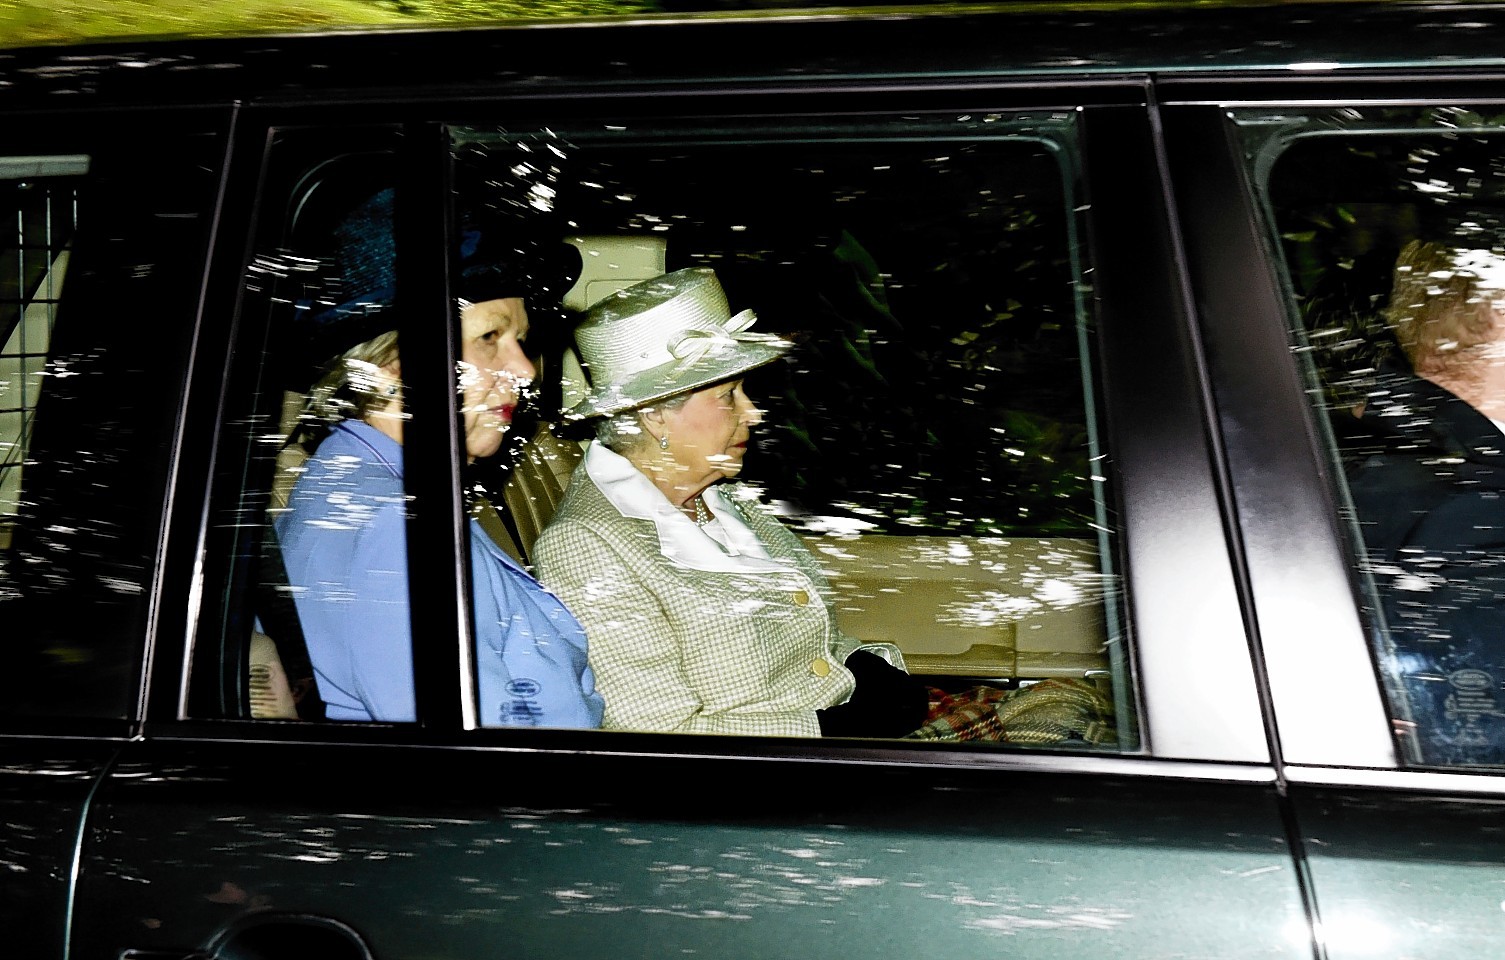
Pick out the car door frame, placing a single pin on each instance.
(1395, 854)
(1204, 728)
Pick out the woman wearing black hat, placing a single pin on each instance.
(342, 535)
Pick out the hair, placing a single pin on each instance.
(348, 388)
(623, 432)
(1438, 309)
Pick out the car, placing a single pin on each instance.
(1086, 301)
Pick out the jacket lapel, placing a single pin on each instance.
(680, 541)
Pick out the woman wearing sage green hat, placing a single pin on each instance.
(705, 614)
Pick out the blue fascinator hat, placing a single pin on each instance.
(359, 301)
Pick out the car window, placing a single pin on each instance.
(1389, 222)
(40, 201)
(932, 436)
(94, 309)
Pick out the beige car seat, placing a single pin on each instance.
(271, 694)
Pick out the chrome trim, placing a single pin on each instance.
(1410, 781)
(910, 755)
(1337, 103)
(1030, 763)
(48, 165)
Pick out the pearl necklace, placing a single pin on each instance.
(702, 515)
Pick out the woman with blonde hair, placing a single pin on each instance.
(343, 536)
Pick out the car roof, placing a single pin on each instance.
(1071, 41)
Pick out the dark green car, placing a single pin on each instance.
(1113, 405)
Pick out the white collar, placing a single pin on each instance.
(679, 539)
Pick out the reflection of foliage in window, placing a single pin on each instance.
(1345, 206)
(930, 405)
(936, 385)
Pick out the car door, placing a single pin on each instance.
(1294, 229)
(223, 833)
(103, 248)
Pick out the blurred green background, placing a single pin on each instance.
(24, 22)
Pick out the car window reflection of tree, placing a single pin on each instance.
(947, 402)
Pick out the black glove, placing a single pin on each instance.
(887, 702)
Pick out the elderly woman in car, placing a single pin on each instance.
(342, 537)
(705, 613)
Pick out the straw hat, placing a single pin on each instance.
(665, 336)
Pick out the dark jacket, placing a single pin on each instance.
(1426, 471)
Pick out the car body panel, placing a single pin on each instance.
(433, 854)
(1405, 874)
(45, 787)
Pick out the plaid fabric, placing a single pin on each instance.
(1045, 713)
(679, 649)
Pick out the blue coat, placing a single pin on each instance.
(344, 546)
(1426, 472)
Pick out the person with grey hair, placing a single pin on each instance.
(705, 614)
(343, 537)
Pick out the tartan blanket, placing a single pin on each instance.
(1049, 712)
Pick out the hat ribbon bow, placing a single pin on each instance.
(694, 344)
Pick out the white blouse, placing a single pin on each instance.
(726, 543)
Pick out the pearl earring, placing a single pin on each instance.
(663, 442)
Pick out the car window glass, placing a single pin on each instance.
(931, 438)
(40, 195)
(305, 475)
(94, 310)
(1390, 223)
